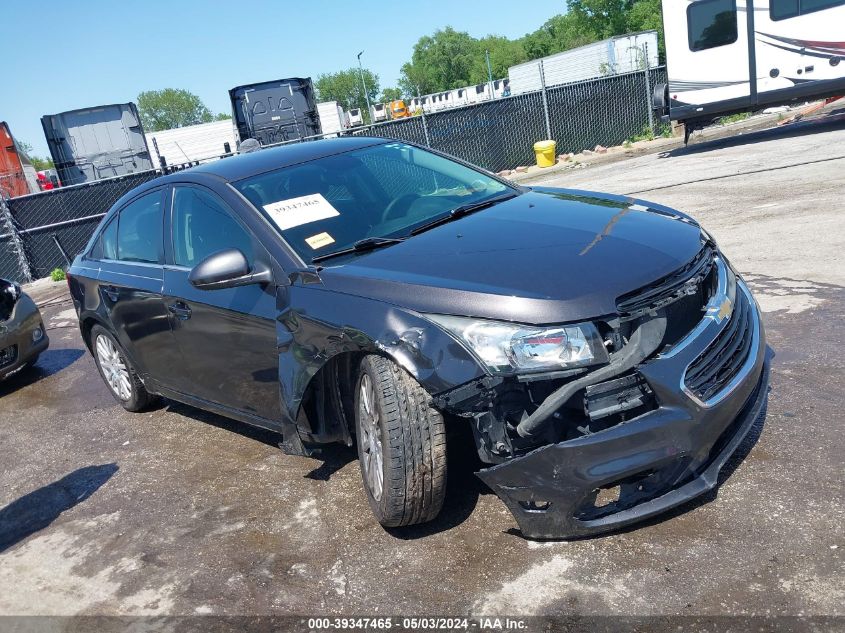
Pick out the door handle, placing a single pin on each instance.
(112, 293)
(180, 310)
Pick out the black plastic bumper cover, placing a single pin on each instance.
(682, 446)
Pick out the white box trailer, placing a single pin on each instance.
(355, 117)
(192, 142)
(728, 56)
(332, 117)
(379, 112)
(612, 56)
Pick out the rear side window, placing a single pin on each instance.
(783, 9)
(202, 226)
(139, 230)
(711, 23)
(106, 246)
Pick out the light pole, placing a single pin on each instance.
(489, 73)
(363, 83)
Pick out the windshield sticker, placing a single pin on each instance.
(319, 241)
(293, 212)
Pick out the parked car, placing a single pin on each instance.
(604, 352)
(22, 333)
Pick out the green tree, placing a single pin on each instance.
(222, 116)
(559, 33)
(40, 164)
(440, 62)
(604, 18)
(504, 53)
(390, 94)
(646, 15)
(345, 88)
(171, 108)
(589, 21)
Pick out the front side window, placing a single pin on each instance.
(380, 191)
(139, 230)
(783, 9)
(202, 226)
(711, 23)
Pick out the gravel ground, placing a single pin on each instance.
(180, 512)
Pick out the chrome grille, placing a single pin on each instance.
(723, 358)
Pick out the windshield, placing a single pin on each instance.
(381, 191)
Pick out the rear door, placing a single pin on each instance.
(130, 281)
(227, 337)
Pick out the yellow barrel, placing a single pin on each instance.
(545, 153)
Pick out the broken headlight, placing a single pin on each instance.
(508, 347)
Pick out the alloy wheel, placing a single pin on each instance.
(114, 368)
(372, 456)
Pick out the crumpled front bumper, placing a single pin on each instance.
(16, 335)
(658, 460)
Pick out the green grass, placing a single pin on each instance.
(663, 130)
(733, 118)
(57, 274)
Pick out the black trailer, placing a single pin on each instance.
(275, 111)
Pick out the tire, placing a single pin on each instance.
(129, 391)
(660, 99)
(412, 442)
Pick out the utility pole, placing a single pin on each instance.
(489, 72)
(363, 83)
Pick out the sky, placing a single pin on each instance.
(59, 55)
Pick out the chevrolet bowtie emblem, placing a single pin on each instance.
(725, 310)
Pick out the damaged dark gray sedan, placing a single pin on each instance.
(22, 334)
(604, 352)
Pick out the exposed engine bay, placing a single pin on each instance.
(10, 292)
(517, 414)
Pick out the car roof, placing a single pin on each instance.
(254, 163)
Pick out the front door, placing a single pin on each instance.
(227, 337)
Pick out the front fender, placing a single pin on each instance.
(314, 325)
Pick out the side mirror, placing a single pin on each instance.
(227, 269)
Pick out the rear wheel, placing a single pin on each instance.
(118, 372)
(401, 445)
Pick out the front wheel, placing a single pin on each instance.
(401, 444)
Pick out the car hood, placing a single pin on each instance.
(546, 256)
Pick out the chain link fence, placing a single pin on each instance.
(43, 231)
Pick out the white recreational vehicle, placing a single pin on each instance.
(727, 56)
